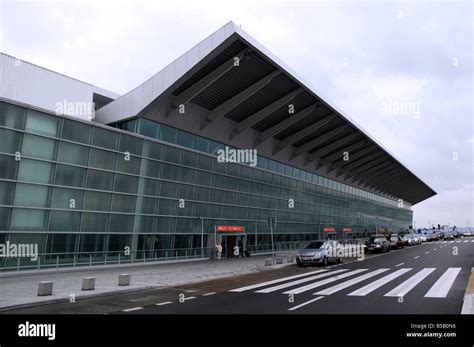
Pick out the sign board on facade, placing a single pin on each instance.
(230, 228)
(329, 230)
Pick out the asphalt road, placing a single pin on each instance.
(426, 279)
(396, 282)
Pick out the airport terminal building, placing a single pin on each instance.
(202, 153)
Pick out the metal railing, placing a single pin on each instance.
(90, 259)
(84, 259)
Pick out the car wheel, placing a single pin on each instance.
(325, 261)
(339, 260)
(299, 264)
(388, 249)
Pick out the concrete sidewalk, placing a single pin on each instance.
(21, 290)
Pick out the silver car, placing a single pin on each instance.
(319, 252)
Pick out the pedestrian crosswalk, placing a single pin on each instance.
(369, 288)
(452, 241)
(409, 284)
(396, 282)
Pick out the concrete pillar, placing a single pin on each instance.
(45, 288)
(124, 280)
(88, 283)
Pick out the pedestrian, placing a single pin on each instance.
(219, 251)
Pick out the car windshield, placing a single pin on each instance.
(393, 238)
(315, 245)
(376, 239)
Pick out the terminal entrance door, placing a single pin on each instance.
(230, 244)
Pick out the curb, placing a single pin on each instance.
(468, 302)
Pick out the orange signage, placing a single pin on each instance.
(347, 230)
(329, 230)
(230, 228)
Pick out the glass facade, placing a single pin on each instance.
(86, 191)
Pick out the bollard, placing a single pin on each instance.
(124, 280)
(290, 259)
(45, 288)
(279, 260)
(268, 262)
(88, 283)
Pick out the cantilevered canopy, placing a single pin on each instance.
(238, 93)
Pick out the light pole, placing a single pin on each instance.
(271, 233)
(202, 236)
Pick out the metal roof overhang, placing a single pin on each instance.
(248, 106)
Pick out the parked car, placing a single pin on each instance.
(467, 233)
(319, 252)
(378, 244)
(448, 236)
(408, 240)
(423, 238)
(416, 239)
(396, 241)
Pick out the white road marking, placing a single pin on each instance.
(189, 298)
(132, 309)
(416, 257)
(409, 284)
(343, 285)
(263, 284)
(379, 283)
(294, 283)
(445, 242)
(442, 286)
(323, 282)
(399, 264)
(466, 241)
(164, 303)
(427, 252)
(458, 241)
(305, 303)
(472, 240)
(207, 294)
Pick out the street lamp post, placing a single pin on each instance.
(202, 236)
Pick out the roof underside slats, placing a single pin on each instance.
(313, 129)
(256, 97)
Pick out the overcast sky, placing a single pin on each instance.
(402, 70)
